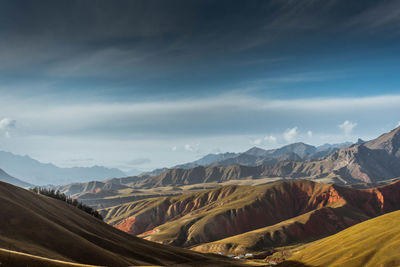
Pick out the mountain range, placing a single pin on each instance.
(257, 156)
(38, 173)
(364, 162)
(5, 177)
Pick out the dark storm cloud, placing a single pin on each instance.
(167, 46)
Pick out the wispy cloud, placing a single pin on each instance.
(290, 135)
(206, 116)
(347, 126)
(382, 16)
(6, 125)
(270, 139)
(192, 148)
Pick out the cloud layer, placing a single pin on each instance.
(171, 132)
(229, 114)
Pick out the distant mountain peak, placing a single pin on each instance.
(38, 173)
(256, 151)
(5, 177)
(390, 142)
(299, 144)
(360, 141)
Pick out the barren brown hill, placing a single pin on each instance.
(289, 211)
(49, 228)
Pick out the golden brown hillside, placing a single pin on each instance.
(372, 243)
(49, 228)
(252, 218)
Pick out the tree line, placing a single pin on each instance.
(69, 200)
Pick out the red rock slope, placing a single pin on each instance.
(304, 209)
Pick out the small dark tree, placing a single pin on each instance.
(71, 201)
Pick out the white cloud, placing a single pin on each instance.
(257, 141)
(194, 148)
(174, 148)
(290, 134)
(309, 134)
(191, 148)
(398, 124)
(347, 126)
(270, 139)
(5, 125)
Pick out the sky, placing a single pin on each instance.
(149, 84)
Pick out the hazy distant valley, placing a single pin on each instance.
(364, 164)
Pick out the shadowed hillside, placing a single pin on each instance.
(50, 228)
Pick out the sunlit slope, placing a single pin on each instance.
(306, 227)
(375, 242)
(289, 212)
(214, 214)
(344, 208)
(50, 228)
